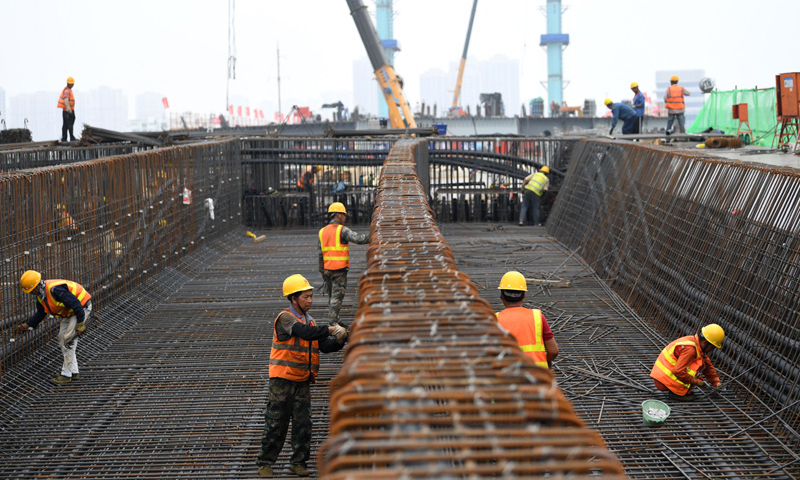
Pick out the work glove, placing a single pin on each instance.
(22, 328)
(80, 328)
(340, 333)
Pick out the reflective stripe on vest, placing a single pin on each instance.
(66, 94)
(665, 365)
(295, 359)
(335, 255)
(526, 326)
(56, 308)
(675, 98)
(537, 183)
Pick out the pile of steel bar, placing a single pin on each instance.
(689, 240)
(431, 387)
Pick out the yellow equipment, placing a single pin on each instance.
(384, 72)
(673, 78)
(337, 207)
(256, 239)
(634, 85)
(295, 283)
(714, 334)
(545, 169)
(70, 80)
(513, 281)
(455, 109)
(608, 101)
(30, 280)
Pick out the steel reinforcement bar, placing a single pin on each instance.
(108, 224)
(690, 239)
(430, 386)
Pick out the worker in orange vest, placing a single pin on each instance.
(66, 102)
(66, 300)
(334, 258)
(528, 326)
(679, 365)
(676, 107)
(293, 367)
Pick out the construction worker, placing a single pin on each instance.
(293, 367)
(334, 257)
(306, 184)
(622, 112)
(529, 327)
(66, 300)
(535, 185)
(676, 107)
(66, 102)
(638, 106)
(679, 365)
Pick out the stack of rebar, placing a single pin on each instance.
(430, 386)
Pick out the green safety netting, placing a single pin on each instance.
(717, 113)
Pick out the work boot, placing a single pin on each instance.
(300, 469)
(61, 379)
(521, 224)
(76, 376)
(80, 328)
(265, 470)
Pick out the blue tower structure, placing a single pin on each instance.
(555, 41)
(385, 27)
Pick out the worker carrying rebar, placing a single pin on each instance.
(684, 363)
(334, 258)
(676, 106)
(528, 326)
(535, 185)
(66, 102)
(293, 367)
(66, 300)
(620, 111)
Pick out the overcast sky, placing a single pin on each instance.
(179, 48)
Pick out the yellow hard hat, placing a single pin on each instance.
(545, 169)
(70, 80)
(513, 281)
(634, 85)
(337, 207)
(714, 334)
(608, 101)
(295, 283)
(673, 78)
(30, 280)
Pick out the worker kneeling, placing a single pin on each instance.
(684, 360)
(528, 326)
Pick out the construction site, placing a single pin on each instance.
(185, 240)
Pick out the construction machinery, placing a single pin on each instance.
(455, 109)
(400, 114)
(339, 106)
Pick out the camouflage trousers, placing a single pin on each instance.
(287, 401)
(337, 281)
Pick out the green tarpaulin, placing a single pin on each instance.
(717, 113)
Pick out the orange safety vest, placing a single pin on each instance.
(526, 326)
(295, 359)
(56, 308)
(306, 178)
(665, 365)
(675, 98)
(335, 254)
(66, 94)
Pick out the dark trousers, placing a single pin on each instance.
(288, 401)
(68, 122)
(637, 127)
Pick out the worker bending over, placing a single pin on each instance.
(620, 111)
(66, 300)
(293, 367)
(684, 360)
(528, 326)
(334, 258)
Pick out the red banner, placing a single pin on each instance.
(230, 109)
(239, 110)
(165, 102)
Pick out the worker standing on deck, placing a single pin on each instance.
(620, 111)
(66, 102)
(638, 107)
(334, 257)
(684, 360)
(675, 104)
(535, 185)
(528, 326)
(66, 300)
(293, 367)
(306, 184)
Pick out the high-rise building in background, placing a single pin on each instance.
(498, 74)
(364, 83)
(150, 114)
(690, 80)
(3, 113)
(102, 107)
(39, 113)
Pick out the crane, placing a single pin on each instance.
(387, 79)
(456, 110)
